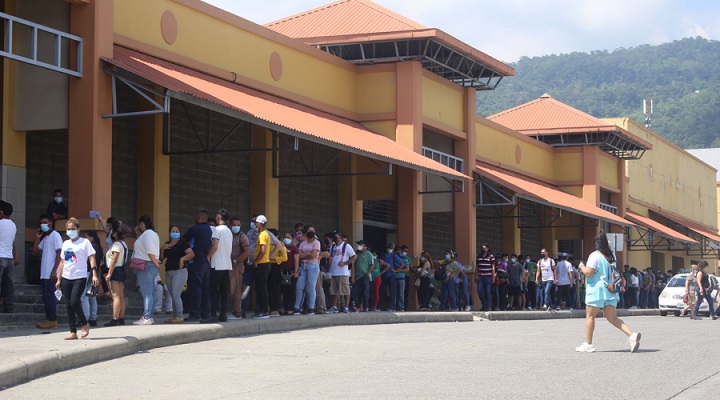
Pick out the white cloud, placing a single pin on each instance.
(509, 29)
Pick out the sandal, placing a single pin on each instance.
(85, 330)
(72, 336)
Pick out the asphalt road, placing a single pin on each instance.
(481, 359)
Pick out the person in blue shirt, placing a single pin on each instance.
(390, 263)
(199, 271)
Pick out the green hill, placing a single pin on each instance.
(682, 78)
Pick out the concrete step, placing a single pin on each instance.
(39, 309)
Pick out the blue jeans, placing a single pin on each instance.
(485, 293)
(388, 281)
(199, 290)
(146, 282)
(49, 300)
(547, 293)
(89, 304)
(463, 294)
(449, 297)
(306, 282)
(643, 298)
(707, 296)
(400, 293)
(361, 292)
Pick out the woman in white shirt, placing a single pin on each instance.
(147, 248)
(76, 252)
(115, 260)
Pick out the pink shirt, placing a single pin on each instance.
(307, 247)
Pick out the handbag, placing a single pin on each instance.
(287, 279)
(137, 264)
(686, 299)
(92, 291)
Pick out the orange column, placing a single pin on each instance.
(465, 212)
(409, 134)
(90, 136)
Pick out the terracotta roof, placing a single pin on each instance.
(658, 227)
(274, 112)
(344, 17)
(543, 193)
(697, 228)
(547, 116)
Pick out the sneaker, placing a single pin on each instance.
(232, 316)
(261, 316)
(209, 320)
(332, 310)
(557, 309)
(585, 348)
(453, 309)
(144, 321)
(245, 292)
(47, 324)
(113, 322)
(544, 307)
(297, 312)
(467, 308)
(634, 341)
(311, 312)
(274, 314)
(346, 310)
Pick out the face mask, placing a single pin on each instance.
(447, 256)
(72, 234)
(45, 227)
(310, 235)
(404, 253)
(175, 235)
(235, 229)
(287, 241)
(422, 259)
(253, 226)
(299, 238)
(359, 247)
(389, 251)
(58, 200)
(513, 260)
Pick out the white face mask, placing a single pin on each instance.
(359, 247)
(404, 253)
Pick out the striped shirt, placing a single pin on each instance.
(485, 265)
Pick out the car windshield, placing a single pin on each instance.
(677, 281)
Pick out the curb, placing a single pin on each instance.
(541, 315)
(34, 366)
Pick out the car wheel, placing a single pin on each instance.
(663, 313)
(707, 314)
(677, 313)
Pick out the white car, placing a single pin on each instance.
(671, 298)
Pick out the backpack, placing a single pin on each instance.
(440, 273)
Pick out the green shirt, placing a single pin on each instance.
(363, 264)
(532, 270)
(451, 268)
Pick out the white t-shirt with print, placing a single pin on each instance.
(221, 260)
(545, 266)
(338, 257)
(49, 245)
(75, 256)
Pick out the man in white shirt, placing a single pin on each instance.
(221, 265)
(342, 255)
(8, 230)
(565, 279)
(547, 274)
(49, 242)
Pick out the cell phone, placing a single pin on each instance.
(94, 214)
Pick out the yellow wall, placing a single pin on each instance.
(205, 39)
(536, 160)
(568, 167)
(679, 183)
(609, 171)
(442, 103)
(376, 93)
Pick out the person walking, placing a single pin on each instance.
(49, 242)
(704, 289)
(115, 258)
(599, 295)
(147, 248)
(76, 252)
(691, 292)
(547, 274)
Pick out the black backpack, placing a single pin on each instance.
(440, 273)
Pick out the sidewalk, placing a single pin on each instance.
(30, 354)
(563, 314)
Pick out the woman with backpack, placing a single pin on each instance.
(115, 260)
(446, 273)
(424, 271)
(600, 295)
(704, 289)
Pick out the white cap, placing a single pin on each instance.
(261, 219)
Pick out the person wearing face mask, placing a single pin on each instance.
(565, 278)
(452, 269)
(57, 209)
(515, 273)
(532, 292)
(115, 257)
(376, 282)
(176, 253)
(147, 248)
(547, 274)
(404, 276)
(240, 253)
(485, 263)
(89, 303)
(361, 272)
(220, 267)
(289, 280)
(299, 235)
(307, 272)
(424, 271)
(49, 242)
(76, 252)
(278, 255)
(342, 256)
(389, 263)
(198, 284)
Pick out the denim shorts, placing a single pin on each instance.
(118, 275)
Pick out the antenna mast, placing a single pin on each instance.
(648, 111)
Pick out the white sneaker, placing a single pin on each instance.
(467, 308)
(230, 316)
(245, 292)
(634, 341)
(585, 348)
(143, 321)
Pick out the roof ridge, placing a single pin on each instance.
(578, 112)
(518, 107)
(391, 14)
(307, 12)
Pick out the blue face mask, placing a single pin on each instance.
(513, 260)
(253, 226)
(447, 256)
(58, 200)
(287, 241)
(175, 235)
(45, 227)
(72, 234)
(235, 229)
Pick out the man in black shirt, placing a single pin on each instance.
(199, 271)
(57, 209)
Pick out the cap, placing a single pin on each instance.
(361, 242)
(337, 232)
(261, 219)
(564, 255)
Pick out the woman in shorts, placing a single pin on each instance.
(599, 296)
(690, 292)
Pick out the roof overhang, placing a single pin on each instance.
(273, 112)
(691, 226)
(658, 228)
(437, 51)
(610, 139)
(542, 193)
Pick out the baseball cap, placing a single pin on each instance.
(361, 242)
(261, 219)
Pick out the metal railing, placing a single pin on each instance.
(445, 159)
(609, 208)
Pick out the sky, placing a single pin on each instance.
(510, 29)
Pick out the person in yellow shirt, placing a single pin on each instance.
(262, 267)
(278, 255)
